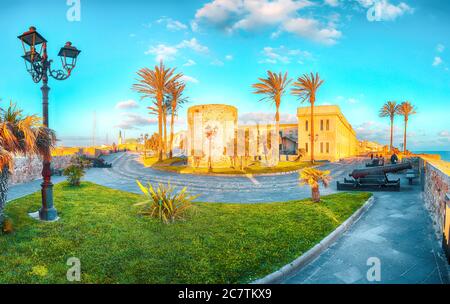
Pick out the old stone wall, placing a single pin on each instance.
(29, 168)
(436, 186)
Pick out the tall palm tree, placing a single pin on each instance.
(406, 109)
(313, 177)
(390, 109)
(176, 90)
(306, 88)
(153, 84)
(274, 87)
(19, 135)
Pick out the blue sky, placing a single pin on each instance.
(401, 52)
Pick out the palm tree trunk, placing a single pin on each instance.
(4, 175)
(312, 131)
(160, 122)
(277, 130)
(165, 134)
(404, 136)
(392, 134)
(171, 133)
(315, 194)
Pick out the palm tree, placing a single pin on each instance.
(176, 90)
(313, 177)
(153, 84)
(390, 109)
(406, 109)
(274, 86)
(306, 88)
(23, 135)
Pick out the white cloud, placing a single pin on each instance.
(437, 61)
(217, 62)
(332, 3)
(229, 57)
(194, 45)
(133, 121)
(445, 134)
(189, 63)
(162, 52)
(191, 79)
(383, 10)
(440, 48)
(127, 104)
(168, 52)
(283, 55)
(311, 29)
(172, 25)
(249, 15)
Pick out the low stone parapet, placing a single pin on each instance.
(436, 185)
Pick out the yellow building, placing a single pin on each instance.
(334, 136)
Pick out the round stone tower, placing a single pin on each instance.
(211, 135)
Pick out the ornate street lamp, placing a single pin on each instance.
(39, 67)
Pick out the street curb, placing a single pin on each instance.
(313, 253)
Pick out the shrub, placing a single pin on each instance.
(165, 204)
(7, 226)
(74, 173)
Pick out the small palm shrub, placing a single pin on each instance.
(74, 173)
(313, 177)
(165, 204)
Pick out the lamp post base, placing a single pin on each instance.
(48, 212)
(36, 216)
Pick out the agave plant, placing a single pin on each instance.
(164, 203)
(313, 178)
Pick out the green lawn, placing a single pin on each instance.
(253, 168)
(219, 243)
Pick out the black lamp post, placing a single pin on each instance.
(39, 66)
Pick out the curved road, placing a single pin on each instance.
(126, 169)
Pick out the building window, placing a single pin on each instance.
(328, 147)
(328, 125)
(321, 125)
(321, 147)
(306, 147)
(306, 125)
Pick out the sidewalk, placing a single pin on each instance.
(398, 231)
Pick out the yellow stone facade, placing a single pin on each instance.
(221, 146)
(334, 136)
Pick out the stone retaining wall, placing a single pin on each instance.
(436, 186)
(27, 169)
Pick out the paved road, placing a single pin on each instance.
(126, 169)
(398, 231)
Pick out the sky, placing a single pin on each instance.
(367, 52)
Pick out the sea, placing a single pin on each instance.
(445, 155)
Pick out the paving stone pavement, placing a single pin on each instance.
(398, 231)
(126, 169)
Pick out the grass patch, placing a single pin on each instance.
(253, 168)
(219, 243)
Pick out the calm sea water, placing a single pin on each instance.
(445, 155)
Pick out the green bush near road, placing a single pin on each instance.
(218, 243)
